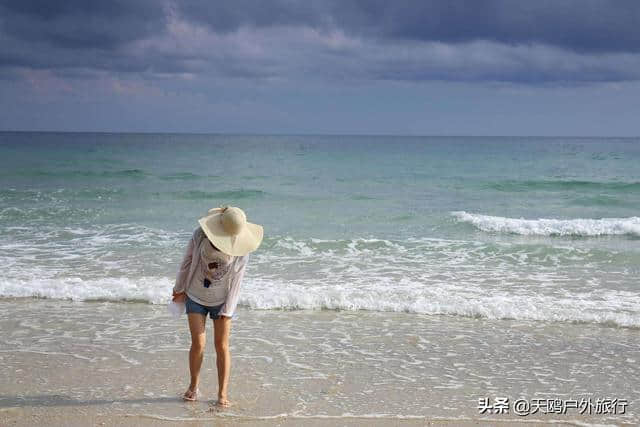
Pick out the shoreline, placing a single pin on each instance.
(607, 324)
(283, 420)
(76, 363)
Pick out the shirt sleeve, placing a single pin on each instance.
(231, 302)
(183, 271)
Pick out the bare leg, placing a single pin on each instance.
(221, 330)
(197, 324)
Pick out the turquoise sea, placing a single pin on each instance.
(536, 229)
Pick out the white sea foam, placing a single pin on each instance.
(608, 307)
(418, 275)
(155, 290)
(552, 227)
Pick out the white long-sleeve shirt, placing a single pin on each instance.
(210, 277)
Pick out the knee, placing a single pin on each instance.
(198, 343)
(222, 345)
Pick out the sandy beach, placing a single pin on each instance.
(103, 363)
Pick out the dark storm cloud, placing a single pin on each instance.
(43, 34)
(228, 15)
(582, 25)
(82, 24)
(497, 40)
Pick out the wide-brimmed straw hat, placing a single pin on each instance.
(227, 228)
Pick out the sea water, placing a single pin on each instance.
(398, 277)
(544, 229)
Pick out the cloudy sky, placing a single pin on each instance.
(423, 67)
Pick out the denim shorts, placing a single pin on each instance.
(194, 307)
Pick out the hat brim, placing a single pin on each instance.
(246, 241)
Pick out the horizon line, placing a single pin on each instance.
(313, 134)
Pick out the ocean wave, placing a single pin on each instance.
(184, 176)
(188, 176)
(124, 249)
(230, 194)
(59, 196)
(123, 173)
(550, 185)
(60, 253)
(552, 227)
(51, 213)
(603, 200)
(597, 306)
(148, 289)
(529, 281)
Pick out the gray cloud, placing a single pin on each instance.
(82, 24)
(559, 41)
(581, 25)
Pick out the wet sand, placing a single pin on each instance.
(101, 363)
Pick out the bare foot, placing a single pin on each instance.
(191, 394)
(223, 401)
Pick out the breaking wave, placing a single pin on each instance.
(552, 227)
(599, 307)
(562, 185)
